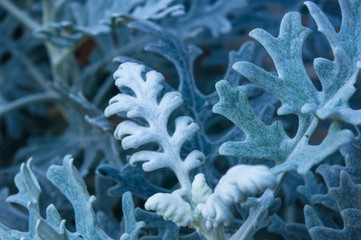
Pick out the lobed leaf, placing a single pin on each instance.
(143, 103)
(292, 85)
(234, 187)
(171, 207)
(131, 225)
(262, 141)
(53, 227)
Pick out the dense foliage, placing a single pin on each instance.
(208, 134)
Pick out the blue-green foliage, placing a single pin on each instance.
(291, 102)
(52, 226)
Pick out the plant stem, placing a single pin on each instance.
(283, 178)
(19, 15)
(59, 56)
(34, 72)
(23, 102)
(249, 227)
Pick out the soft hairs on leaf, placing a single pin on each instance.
(262, 141)
(142, 100)
(131, 225)
(294, 102)
(298, 94)
(85, 221)
(68, 180)
(171, 207)
(292, 85)
(347, 197)
(338, 76)
(234, 187)
(146, 88)
(200, 190)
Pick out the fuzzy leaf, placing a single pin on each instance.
(234, 187)
(89, 141)
(312, 188)
(292, 85)
(53, 227)
(154, 9)
(200, 190)
(297, 94)
(338, 107)
(85, 221)
(165, 229)
(197, 104)
(171, 207)
(352, 155)
(11, 217)
(128, 179)
(296, 231)
(91, 16)
(28, 197)
(146, 87)
(28, 185)
(262, 141)
(211, 16)
(347, 197)
(304, 157)
(338, 76)
(131, 225)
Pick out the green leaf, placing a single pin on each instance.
(68, 180)
(297, 93)
(292, 85)
(131, 225)
(262, 141)
(338, 77)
